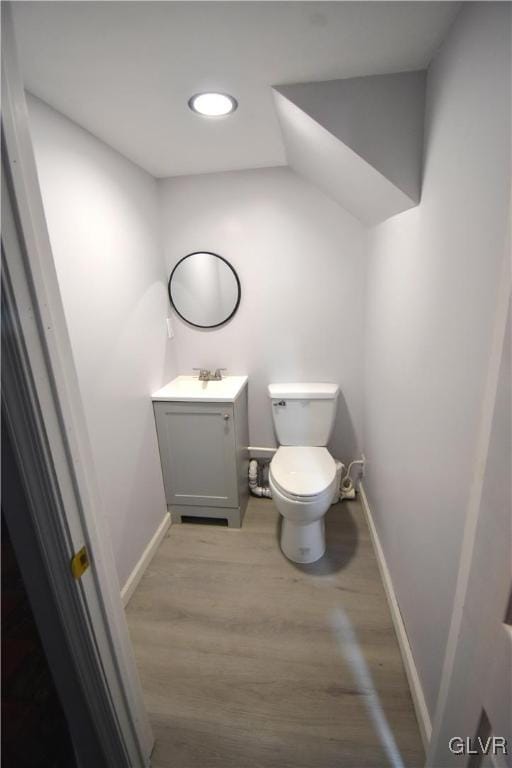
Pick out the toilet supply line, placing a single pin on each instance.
(347, 488)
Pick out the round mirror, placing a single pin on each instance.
(204, 289)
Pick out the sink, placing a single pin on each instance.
(189, 388)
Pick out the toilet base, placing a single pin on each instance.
(303, 543)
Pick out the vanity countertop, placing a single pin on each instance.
(190, 389)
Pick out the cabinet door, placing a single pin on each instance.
(197, 448)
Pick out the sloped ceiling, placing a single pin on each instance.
(360, 140)
(125, 70)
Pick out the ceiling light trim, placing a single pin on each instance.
(229, 100)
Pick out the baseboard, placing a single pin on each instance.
(137, 573)
(418, 698)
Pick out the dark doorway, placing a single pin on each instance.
(34, 729)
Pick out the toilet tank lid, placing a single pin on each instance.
(315, 391)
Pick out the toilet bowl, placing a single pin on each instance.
(302, 473)
(303, 483)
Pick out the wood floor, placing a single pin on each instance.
(250, 661)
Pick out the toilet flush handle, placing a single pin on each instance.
(281, 402)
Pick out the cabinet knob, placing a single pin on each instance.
(226, 416)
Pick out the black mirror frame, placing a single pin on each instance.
(196, 325)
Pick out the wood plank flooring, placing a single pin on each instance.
(250, 661)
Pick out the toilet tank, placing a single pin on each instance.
(303, 413)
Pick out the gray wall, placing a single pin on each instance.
(300, 259)
(431, 291)
(102, 215)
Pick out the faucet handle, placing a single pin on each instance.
(204, 373)
(218, 373)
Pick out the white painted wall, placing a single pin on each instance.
(431, 291)
(102, 217)
(300, 259)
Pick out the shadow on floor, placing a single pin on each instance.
(342, 539)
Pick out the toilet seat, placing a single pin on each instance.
(303, 472)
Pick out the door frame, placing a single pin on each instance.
(452, 679)
(44, 417)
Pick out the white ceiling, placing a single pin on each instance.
(125, 70)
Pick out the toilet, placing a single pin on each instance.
(302, 473)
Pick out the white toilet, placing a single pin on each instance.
(303, 473)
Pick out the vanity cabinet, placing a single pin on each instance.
(203, 450)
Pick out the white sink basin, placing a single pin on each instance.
(189, 388)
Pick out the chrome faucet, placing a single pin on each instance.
(207, 375)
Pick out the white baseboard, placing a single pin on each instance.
(418, 698)
(137, 573)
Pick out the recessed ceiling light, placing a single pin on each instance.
(212, 104)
